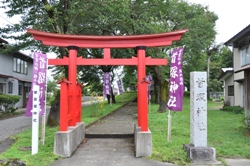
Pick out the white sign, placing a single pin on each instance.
(35, 119)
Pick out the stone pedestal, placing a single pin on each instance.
(196, 154)
(66, 142)
(198, 150)
(143, 142)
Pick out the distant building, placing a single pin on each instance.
(240, 89)
(226, 77)
(15, 74)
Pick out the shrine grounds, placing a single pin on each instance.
(226, 133)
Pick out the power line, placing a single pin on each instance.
(6, 20)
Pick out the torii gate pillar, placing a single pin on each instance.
(142, 89)
(72, 87)
(142, 135)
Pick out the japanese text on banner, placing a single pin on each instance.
(176, 81)
(39, 78)
(106, 83)
(119, 84)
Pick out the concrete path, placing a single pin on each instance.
(107, 150)
(237, 162)
(120, 122)
(12, 126)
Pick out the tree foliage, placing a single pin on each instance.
(117, 17)
(222, 58)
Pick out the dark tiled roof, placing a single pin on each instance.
(23, 56)
(240, 38)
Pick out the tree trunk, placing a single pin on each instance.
(163, 89)
(54, 114)
(208, 67)
(113, 97)
(163, 96)
(156, 93)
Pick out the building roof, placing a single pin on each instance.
(225, 73)
(3, 41)
(240, 38)
(23, 56)
(17, 54)
(226, 69)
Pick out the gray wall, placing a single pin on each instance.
(6, 69)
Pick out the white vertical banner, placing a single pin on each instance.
(35, 119)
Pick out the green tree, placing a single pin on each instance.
(118, 17)
(221, 58)
(51, 86)
(227, 57)
(170, 16)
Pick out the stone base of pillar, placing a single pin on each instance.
(143, 142)
(66, 142)
(197, 154)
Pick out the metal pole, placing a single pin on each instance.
(169, 125)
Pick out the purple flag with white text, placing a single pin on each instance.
(176, 91)
(39, 78)
(119, 84)
(106, 83)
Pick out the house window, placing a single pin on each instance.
(10, 87)
(20, 66)
(20, 89)
(14, 64)
(231, 90)
(2, 88)
(245, 55)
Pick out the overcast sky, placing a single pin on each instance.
(233, 16)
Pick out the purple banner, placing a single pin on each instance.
(119, 84)
(39, 78)
(149, 79)
(106, 83)
(176, 91)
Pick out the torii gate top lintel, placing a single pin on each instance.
(87, 41)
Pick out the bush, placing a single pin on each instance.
(8, 101)
(235, 109)
(187, 93)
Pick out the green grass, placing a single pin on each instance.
(4, 115)
(226, 133)
(158, 123)
(45, 154)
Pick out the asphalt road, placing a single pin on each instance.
(15, 125)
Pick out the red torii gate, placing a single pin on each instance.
(140, 42)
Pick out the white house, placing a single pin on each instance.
(241, 68)
(15, 74)
(226, 77)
